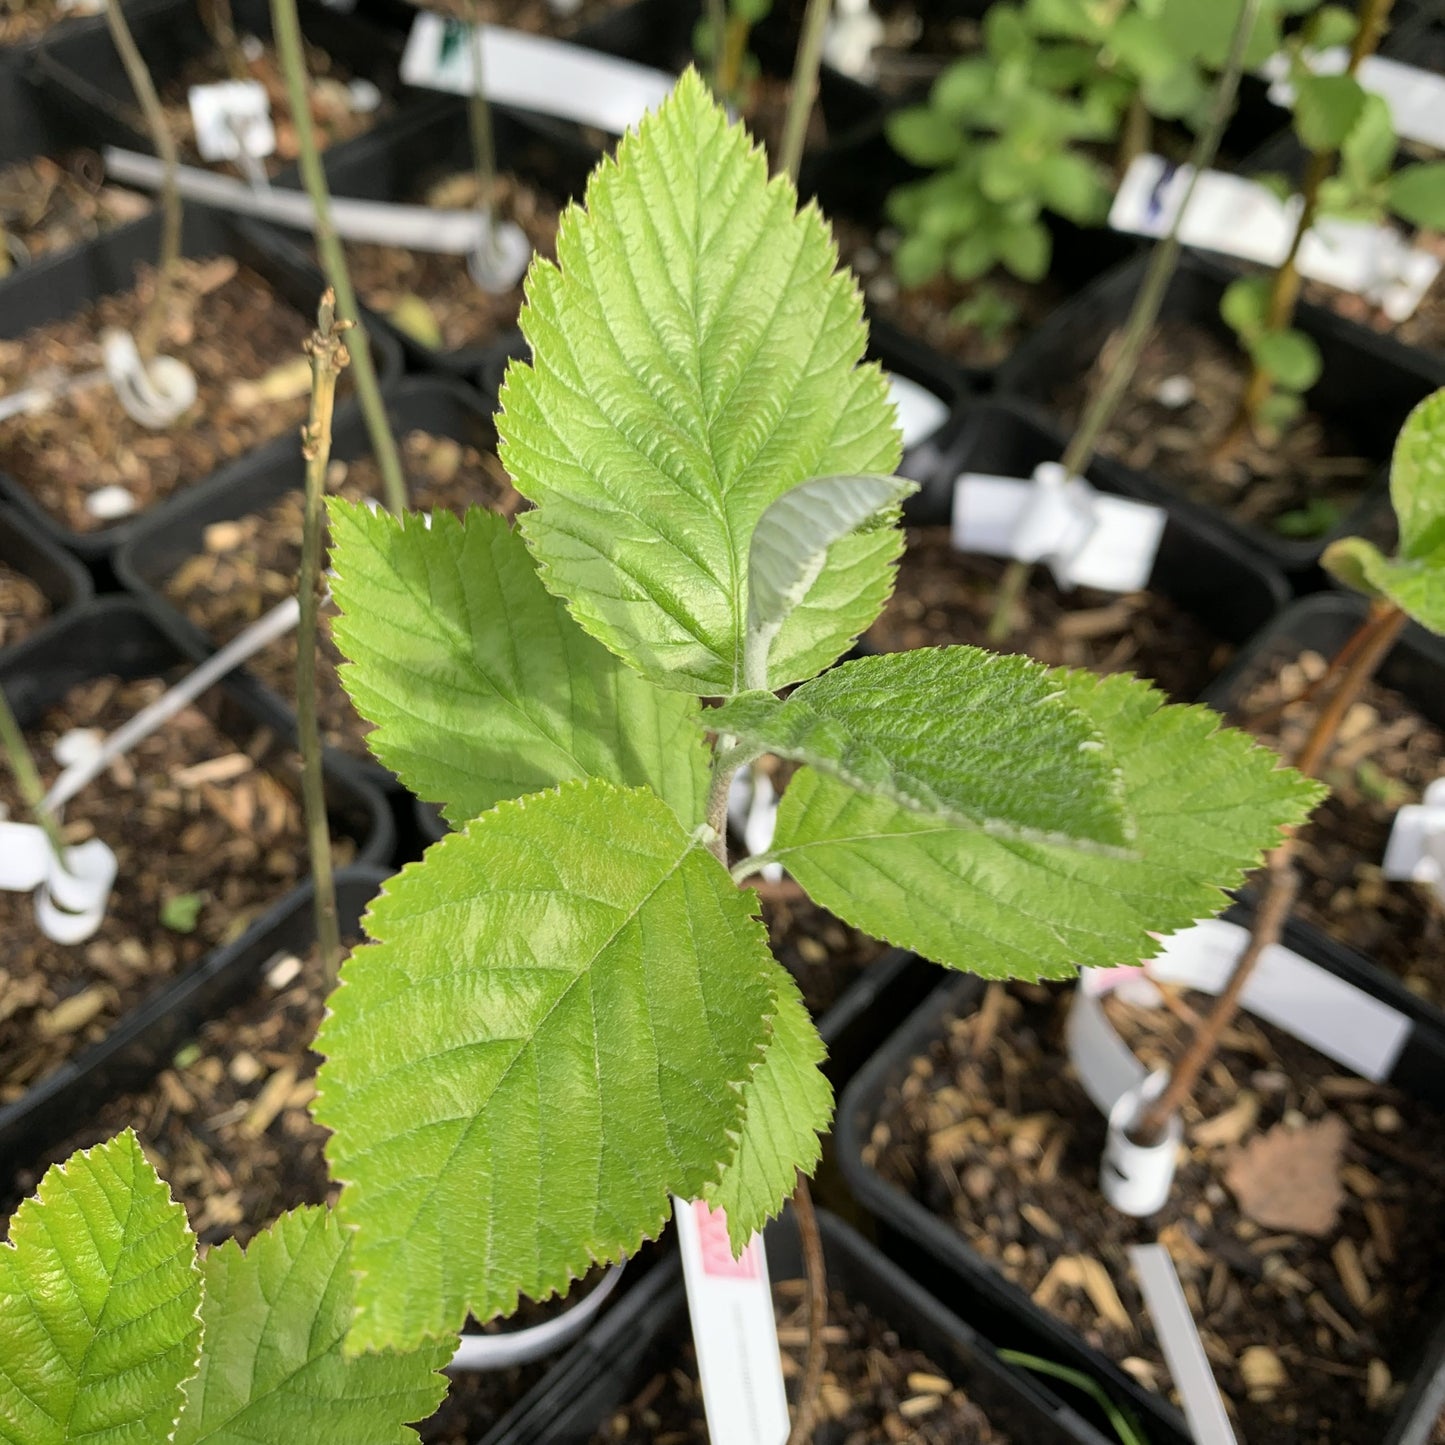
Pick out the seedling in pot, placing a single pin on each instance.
(720, 42)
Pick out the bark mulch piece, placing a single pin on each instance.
(822, 953)
(929, 312)
(23, 606)
(251, 563)
(49, 203)
(1386, 755)
(1298, 486)
(22, 20)
(875, 1389)
(195, 819)
(239, 337)
(945, 597)
(1309, 1337)
(454, 311)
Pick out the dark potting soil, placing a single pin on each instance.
(242, 341)
(823, 953)
(1310, 1338)
(334, 114)
(875, 1389)
(48, 203)
(932, 312)
(945, 597)
(432, 297)
(251, 563)
(1387, 753)
(1424, 328)
(1298, 485)
(23, 606)
(766, 108)
(198, 823)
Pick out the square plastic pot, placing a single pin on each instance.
(61, 579)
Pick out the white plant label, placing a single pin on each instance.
(1241, 218)
(753, 811)
(1086, 538)
(153, 393)
(232, 120)
(734, 1330)
(1416, 850)
(533, 72)
(850, 37)
(920, 412)
(69, 900)
(1416, 97)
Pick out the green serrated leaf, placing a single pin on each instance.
(971, 737)
(790, 546)
(1417, 194)
(1326, 108)
(788, 1104)
(99, 1293)
(1417, 481)
(695, 356)
(273, 1371)
(549, 1036)
(480, 685)
(1205, 801)
(1417, 588)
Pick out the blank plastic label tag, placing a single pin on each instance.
(1416, 97)
(70, 901)
(232, 118)
(734, 1330)
(533, 72)
(920, 412)
(1416, 850)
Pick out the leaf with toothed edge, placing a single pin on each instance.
(550, 1035)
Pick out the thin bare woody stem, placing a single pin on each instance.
(216, 16)
(287, 27)
(717, 19)
(479, 117)
(817, 1269)
(804, 89)
(152, 324)
(27, 777)
(328, 355)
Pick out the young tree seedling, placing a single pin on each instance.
(27, 778)
(1409, 586)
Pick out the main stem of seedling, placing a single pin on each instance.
(328, 355)
(804, 90)
(1367, 649)
(717, 20)
(479, 117)
(1162, 263)
(219, 21)
(27, 777)
(1285, 289)
(152, 325)
(287, 27)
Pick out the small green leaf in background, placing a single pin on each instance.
(1326, 108)
(1417, 194)
(1027, 250)
(918, 259)
(1317, 517)
(480, 685)
(182, 911)
(1073, 186)
(924, 136)
(1290, 357)
(957, 94)
(273, 1371)
(1206, 803)
(1245, 304)
(972, 257)
(551, 1033)
(99, 1293)
(1368, 152)
(1329, 26)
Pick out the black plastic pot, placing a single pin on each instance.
(442, 406)
(1201, 567)
(1368, 386)
(1415, 668)
(114, 636)
(57, 286)
(84, 74)
(29, 122)
(645, 1331)
(929, 1248)
(62, 580)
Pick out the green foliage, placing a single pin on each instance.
(1326, 109)
(99, 1292)
(1417, 194)
(1414, 578)
(736, 68)
(182, 911)
(1290, 358)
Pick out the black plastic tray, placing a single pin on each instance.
(608, 1368)
(1368, 387)
(57, 286)
(30, 120)
(115, 636)
(443, 406)
(62, 580)
(929, 1248)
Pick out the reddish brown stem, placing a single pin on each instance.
(812, 1244)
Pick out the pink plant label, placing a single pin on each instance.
(717, 1251)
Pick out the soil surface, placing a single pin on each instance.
(875, 1389)
(432, 297)
(201, 823)
(945, 597)
(22, 20)
(23, 606)
(822, 953)
(1311, 1338)
(1387, 753)
(49, 203)
(251, 563)
(1298, 486)
(931, 312)
(242, 341)
(1424, 328)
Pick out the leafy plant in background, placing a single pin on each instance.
(720, 41)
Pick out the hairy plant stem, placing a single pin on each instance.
(803, 92)
(328, 355)
(1285, 288)
(479, 119)
(27, 778)
(287, 27)
(1368, 647)
(152, 325)
(1125, 360)
(817, 1269)
(217, 17)
(717, 21)
(727, 758)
